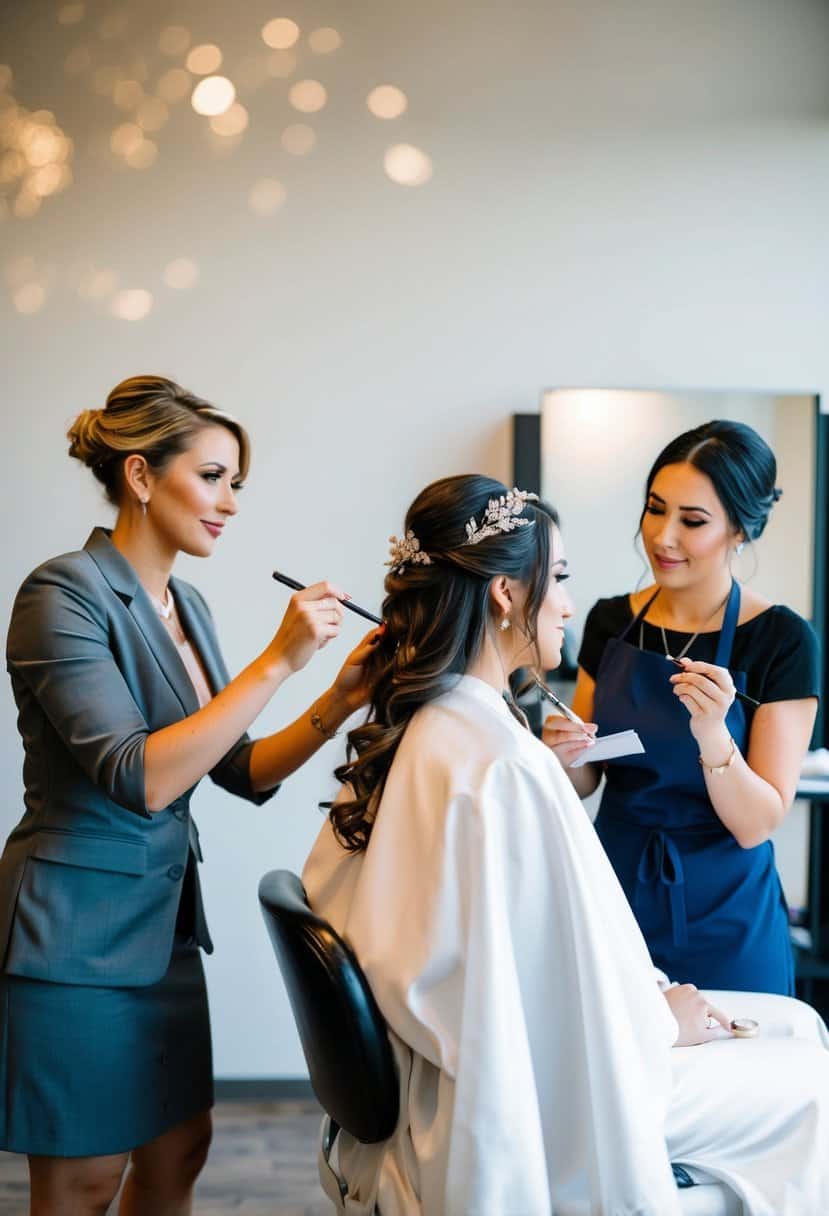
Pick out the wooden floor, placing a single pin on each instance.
(263, 1162)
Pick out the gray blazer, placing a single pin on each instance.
(90, 881)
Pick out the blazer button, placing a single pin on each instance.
(175, 872)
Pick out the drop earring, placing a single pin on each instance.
(739, 548)
(143, 506)
(505, 624)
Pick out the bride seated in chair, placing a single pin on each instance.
(545, 1066)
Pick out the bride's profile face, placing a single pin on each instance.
(556, 608)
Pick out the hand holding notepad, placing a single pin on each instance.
(608, 747)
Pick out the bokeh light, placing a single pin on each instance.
(309, 96)
(174, 85)
(181, 274)
(174, 40)
(29, 298)
(324, 41)
(266, 196)
(407, 165)
(298, 139)
(142, 155)
(204, 60)
(131, 305)
(213, 95)
(126, 138)
(387, 101)
(280, 33)
(34, 155)
(232, 122)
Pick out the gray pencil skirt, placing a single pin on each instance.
(85, 1072)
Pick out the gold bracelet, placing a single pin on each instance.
(719, 769)
(318, 724)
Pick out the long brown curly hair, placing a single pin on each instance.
(435, 617)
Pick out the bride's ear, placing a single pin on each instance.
(501, 602)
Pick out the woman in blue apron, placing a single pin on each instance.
(687, 823)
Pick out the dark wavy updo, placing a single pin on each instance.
(151, 416)
(740, 465)
(436, 616)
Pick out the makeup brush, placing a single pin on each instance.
(295, 586)
(743, 696)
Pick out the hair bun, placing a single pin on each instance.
(86, 441)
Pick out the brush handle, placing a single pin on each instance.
(741, 696)
(295, 586)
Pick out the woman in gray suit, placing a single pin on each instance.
(124, 705)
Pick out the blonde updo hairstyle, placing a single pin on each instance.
(152, 417)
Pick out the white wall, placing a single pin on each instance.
(622, 194)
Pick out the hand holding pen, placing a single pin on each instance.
(707, 692)
(564, 732)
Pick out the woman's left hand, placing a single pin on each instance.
(707, 692)
(351, 689)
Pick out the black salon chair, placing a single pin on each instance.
(342, 1031)
(344, 1037)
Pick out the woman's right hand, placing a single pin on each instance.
(566, 738)
(312, 619)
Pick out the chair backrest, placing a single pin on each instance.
(343, 1034)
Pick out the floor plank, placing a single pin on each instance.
(263, 1162)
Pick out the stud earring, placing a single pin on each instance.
(505, 624)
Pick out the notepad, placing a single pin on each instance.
(608, 747)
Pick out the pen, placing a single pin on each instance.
(563, 709)
(743, 696)
(295, 586)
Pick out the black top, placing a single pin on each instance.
(778, 650)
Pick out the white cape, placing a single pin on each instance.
(534, 1046)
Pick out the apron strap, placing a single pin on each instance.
(637, 620)
(729, 627)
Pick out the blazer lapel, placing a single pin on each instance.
(200, 632)
(124, 581)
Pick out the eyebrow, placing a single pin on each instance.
(561, 561)
(682, 508)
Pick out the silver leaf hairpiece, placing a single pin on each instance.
(407, 549)
(502, 515)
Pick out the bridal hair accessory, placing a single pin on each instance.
(406, 550)
(502, 515)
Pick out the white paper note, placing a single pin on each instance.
(608, 747)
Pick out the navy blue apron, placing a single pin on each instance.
(712, 913)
